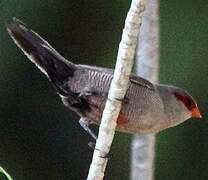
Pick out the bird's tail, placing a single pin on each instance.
(40, 52)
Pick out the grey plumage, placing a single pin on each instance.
(84, 89)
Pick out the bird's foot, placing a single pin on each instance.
(125, 100)
(92, 147)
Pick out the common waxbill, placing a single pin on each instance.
(146, 108)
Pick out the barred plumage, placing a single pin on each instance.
(147, 108)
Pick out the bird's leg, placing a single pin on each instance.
(84, 122)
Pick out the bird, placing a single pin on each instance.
(146, 108)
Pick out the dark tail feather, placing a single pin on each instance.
(40, 52)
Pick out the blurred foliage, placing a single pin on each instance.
(40, 139)
(182, 151)
(4, 174)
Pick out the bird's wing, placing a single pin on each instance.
(141, 81)
(133, 78)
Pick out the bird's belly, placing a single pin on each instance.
(130, 121)
(137, 116)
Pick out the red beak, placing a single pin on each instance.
(196, 113)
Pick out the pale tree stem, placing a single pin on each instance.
(117, 90)
(147, 56)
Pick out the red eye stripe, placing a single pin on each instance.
(187, 101)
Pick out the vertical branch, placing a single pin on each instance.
(117, 90)
(147, 66)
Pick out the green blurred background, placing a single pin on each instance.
(40, 139)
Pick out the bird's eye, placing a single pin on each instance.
(187, 101)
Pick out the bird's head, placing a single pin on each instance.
(188, 102)
(179, 105)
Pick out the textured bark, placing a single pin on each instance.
(147, 56)
(117, 90)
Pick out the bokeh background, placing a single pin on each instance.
(40, 139)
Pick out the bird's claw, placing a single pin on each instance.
(92, 147)
(125, 100)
